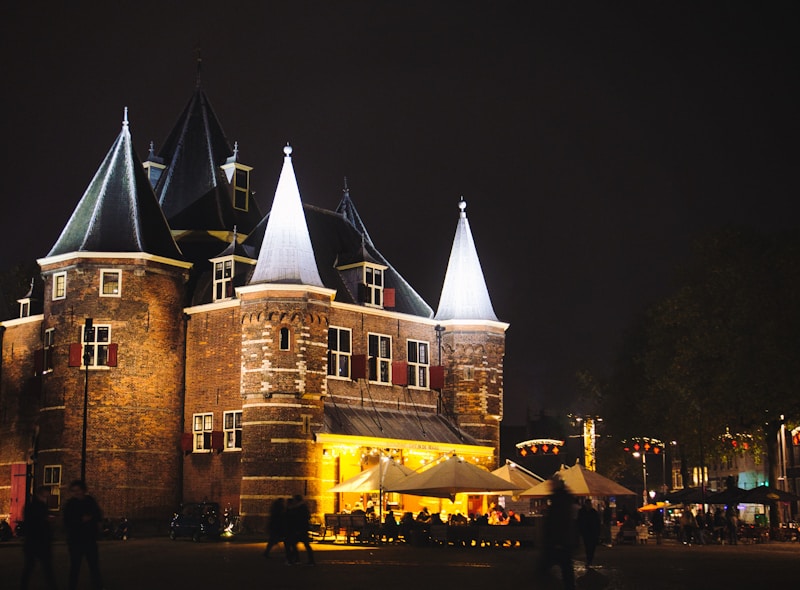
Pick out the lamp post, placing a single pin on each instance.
(88, 328)
(644, 474)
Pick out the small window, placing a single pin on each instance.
(223, 279)
(202, 424)
(24, 308)
(306, 418)
(469, 373)
(418, 364)
(110, 283)
(284, 339)
(48, 342)
(339, 351)
(60, 285)
(96, 340)
(232, 427)
(380, 358)
(52, 479)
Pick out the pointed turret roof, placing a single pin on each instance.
(286, 254)
(464, 293)
(118, 212)
(193, 191)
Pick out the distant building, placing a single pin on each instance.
(232, 356)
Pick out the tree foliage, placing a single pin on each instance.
(720, 353)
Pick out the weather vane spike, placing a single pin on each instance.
(152, 149)
(199, 67)
(346, 189)
(235, 149)
(125, 117)
(287, 150)
(462, 205)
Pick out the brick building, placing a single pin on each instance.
(180, 345)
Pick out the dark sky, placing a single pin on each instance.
(591, 141)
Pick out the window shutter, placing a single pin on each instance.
(388, 297)
(75, 354)
(217, 440)
(437, 376)
(400, 373)
(112, 354)
(359, 367)
(38, 361)
(186, 442)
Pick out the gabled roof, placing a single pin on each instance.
(193, 190)
(347, 209)
(118, 212)
(464, 293)
(286, 254)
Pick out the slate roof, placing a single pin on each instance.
(118, 212)
(193, 189)
(348, 420)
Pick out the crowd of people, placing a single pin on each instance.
(289, 523)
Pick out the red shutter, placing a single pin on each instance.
(217, 440)
(186, 442)
(388, 297)
(38, 361)
(358, 370)
(113, 348)
(400, 373)
(437, 376)
(75, 354)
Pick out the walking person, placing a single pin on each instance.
(277, 528)
(82, 520)
(298, 520)
(560, 534)
(589, 529)
(38, 544)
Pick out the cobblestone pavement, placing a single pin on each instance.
(157, 562)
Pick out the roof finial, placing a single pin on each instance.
(346, 190)
(125, 118)
(462, 205)
(287, 150)
(152, 150)
(199, 66)
(234, 235)
(235, 150)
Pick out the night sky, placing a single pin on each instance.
(591, 141)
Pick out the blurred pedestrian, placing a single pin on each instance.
(560, 534)
(658, 525)
(82, 521)
(277, 528)
(589, 529)
(298, 521)
(38, 543)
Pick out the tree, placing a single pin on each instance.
(720, 353)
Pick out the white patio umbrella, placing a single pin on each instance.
(374, 479)
(580, 482)
(450, 477)
(517, 475)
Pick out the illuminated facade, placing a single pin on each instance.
(234, 356)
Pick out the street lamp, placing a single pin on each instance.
(88, 329)
(637, 454)
(639, 447)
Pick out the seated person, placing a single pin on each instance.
(458, 519)
(390, 527)
(359, 508)
(424, 515)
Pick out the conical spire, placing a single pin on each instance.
(194, 151)
(464, 293)
(286, 253)
(118, 212)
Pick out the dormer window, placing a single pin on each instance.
(241, 189)
(373, 283)
(223, 279)
(110, 283)
(239, 178)
(24, 308)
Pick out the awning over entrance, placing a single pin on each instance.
(393, 429)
